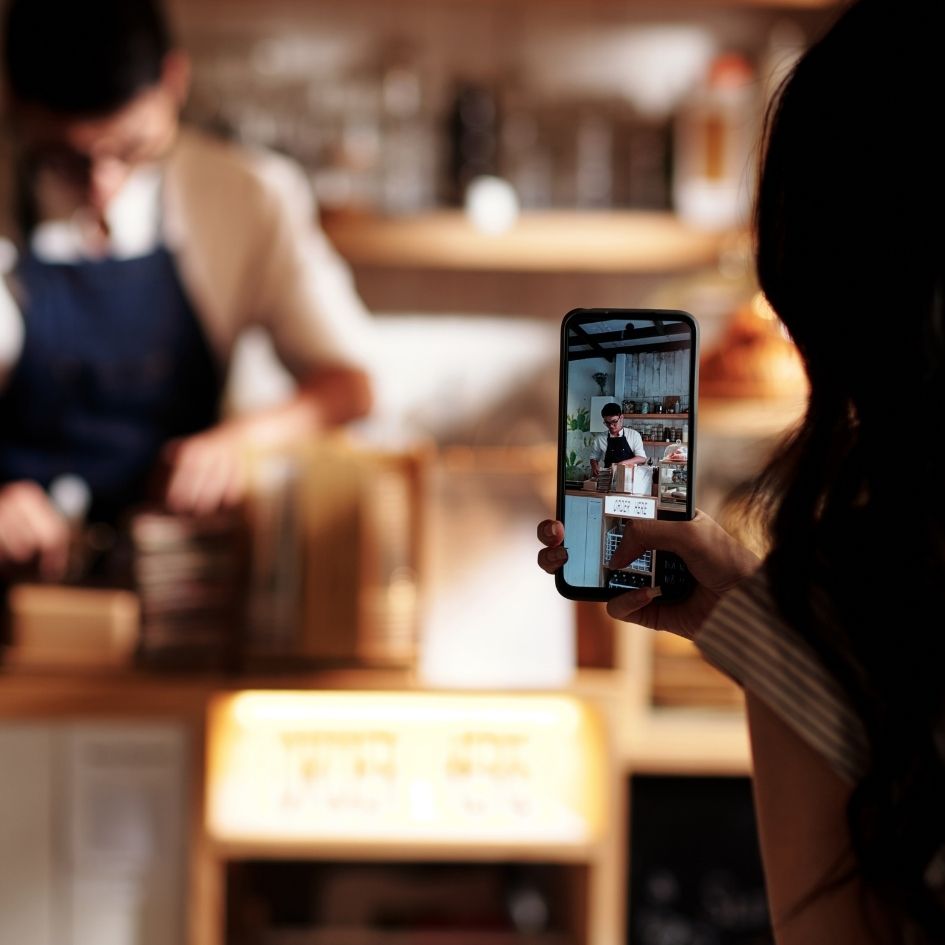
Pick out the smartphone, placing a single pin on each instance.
(626, 444)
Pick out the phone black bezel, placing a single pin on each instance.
(575, 592)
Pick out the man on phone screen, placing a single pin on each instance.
(619, 445)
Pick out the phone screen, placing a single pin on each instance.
(626, 443)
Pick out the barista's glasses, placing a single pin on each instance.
(75, 167)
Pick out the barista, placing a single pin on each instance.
(135, 252)
(619, 446)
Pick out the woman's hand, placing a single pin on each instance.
(715, 559)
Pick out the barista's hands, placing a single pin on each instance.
(715, 559)
(207, 471)
(31, 529)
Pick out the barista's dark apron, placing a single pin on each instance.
(114, 364)
(618, 449)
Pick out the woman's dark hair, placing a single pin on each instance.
(849, 221)
(82, 57)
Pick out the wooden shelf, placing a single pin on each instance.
(613, 241)
(688, 741)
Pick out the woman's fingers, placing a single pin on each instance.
(634, 606)
(551, 559)
(550, 532)
(641, 535)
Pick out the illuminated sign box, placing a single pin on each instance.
(394, 767)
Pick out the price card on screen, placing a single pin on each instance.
(630, 506)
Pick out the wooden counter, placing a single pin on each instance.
(646, 738)
(638, 740)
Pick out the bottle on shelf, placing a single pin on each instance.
(407, 168)
(715, 134)
(473, 135)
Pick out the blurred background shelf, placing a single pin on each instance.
(616, 242)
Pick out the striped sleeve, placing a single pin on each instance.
(745, 638)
